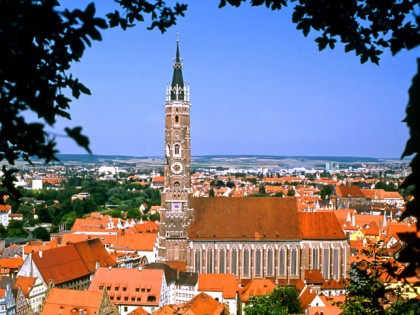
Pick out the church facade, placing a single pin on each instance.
(248, 237)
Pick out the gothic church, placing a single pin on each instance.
(248, 237)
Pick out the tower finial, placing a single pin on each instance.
(177, 37)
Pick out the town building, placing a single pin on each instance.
(250, 238)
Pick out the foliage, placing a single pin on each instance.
(3, 231)
(367, 27)
(39, 42)
(367, 294)
(282, 300)
(291, 192)
(41, 233)
(326, 191)
(16, 229)
(211, 192)
(386, 186)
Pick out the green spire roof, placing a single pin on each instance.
(177, 87)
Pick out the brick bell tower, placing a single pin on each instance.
(175, 212)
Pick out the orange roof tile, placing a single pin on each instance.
(349, 191)
(137, 242)
(139, 311)
(320, 225)
(314, 276)
(244, 218)
(92, 253)
(256, 287)
(5, 208)
(203, 304)
(11, 263)
(64, 301)
(60, 264)
(142, 285)
(180, 265)
(225, 283)
(25, 283)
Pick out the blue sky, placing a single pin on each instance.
(258, 86)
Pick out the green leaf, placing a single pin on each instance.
(80, 139)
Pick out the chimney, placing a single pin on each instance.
(40, 254)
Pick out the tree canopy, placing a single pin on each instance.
(39, 42)
(281, 301)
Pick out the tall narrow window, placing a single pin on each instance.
(176, 119)
(336, 262)
(294, 261)
(176, 149)
(210, 262)
(246, 261)
(326, 262)
(234, 262)
(197, 260)
(222, 260)
(258, 262)
(270, 265)
(282, 261)
(315, 257)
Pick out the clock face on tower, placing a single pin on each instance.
(176, 168)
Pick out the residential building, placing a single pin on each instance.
(130, 288)
(33, 289)
(69, 302)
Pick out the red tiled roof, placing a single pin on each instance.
(245, 219)
(349, 191)
(92, 253)
(313, 276)
(256, 287)
(137, 241)
(144, 286)
(25, 283)
(225, 283)
(203, 304)
(11, 263)
(320, 225)
(64, 301)
(60, 264)
(180, 265)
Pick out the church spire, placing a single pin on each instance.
(177, 87)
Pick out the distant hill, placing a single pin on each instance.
(342, 159)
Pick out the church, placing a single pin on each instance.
(251, 238)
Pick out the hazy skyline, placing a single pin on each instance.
(258, 86)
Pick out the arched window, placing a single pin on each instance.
(246, 261)
(270, 262)
(197, 260)
(258, 262)
(176, 119)
(326, 262)
(234, 261)
(222, 260)
(336, 262)
(294, 261)
(177, 150)
(209, 262)
(315, 257)
(282, 261)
